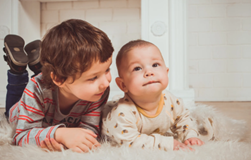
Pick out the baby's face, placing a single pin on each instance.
(144, 71)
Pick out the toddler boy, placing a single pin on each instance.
(63, 104)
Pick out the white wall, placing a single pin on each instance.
(5, 28)
(12, 22)
(119, 19)
(219, 49)
(219, 39)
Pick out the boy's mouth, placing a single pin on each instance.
(100, 94)
(150, 82)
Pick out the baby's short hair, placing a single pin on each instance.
(71, 48)
(127, 48)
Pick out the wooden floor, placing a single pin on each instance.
(235, 110)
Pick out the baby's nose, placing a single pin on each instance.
(149, 73)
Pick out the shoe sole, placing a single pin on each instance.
(33, 51)
(14, 46)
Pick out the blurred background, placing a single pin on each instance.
(205, 43)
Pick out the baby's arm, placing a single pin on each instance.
(178, 145)
(183, 124)
(121, 126)
(193, 141)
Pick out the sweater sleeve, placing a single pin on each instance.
(28, 115)
(91, 119)
(121, 126)
(183, 125)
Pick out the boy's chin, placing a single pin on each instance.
(94, 99)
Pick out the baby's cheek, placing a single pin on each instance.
(134, 86)
(165, 80)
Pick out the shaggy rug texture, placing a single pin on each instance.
(230, 143)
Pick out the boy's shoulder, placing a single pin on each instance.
(37, 85)
(35, 82)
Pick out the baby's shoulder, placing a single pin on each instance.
(169, 96)
(122, 106)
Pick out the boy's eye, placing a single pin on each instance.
(92, 79)
(155, 65)
(136, 69)
(108, 70)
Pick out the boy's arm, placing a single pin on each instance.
(28, 116)
(121, 126)
(91, 119)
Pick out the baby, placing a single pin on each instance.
(147, 113)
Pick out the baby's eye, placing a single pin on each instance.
(155, 65)
(92, 79)
(136, 69)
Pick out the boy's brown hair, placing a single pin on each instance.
(127, 48)
(71, 48)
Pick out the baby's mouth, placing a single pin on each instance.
(150, 82)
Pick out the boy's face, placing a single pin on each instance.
(91, 85)
(143, 72)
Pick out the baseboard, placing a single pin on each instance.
(187, 95)
(2, 98)
(223, 99)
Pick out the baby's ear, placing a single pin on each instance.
(55, 80)
(167, 69)
(121, 84)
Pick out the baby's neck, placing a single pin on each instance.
(148, 104)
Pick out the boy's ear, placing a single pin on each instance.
(121, 84)
(55, 81)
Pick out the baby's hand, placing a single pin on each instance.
(51, 144)
(194, 141)
(77, 139)
(177, 145)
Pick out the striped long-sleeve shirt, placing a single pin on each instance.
(37, 114)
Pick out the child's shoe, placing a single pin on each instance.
(33, 51)
(15, 55)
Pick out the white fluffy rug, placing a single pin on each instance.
(227, 145)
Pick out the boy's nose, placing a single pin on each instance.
(105, 83)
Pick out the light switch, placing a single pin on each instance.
(158, 28)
